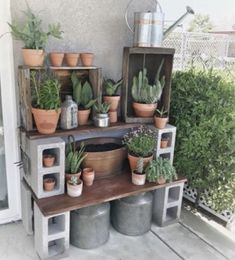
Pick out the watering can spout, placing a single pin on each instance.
(189, 10)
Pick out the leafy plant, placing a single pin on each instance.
(143, 92)
(161, 112)
(74, 180)
(140, 165)
(32, 34)
(203, 109)
(111, 87)
(101, 108)
(160, 167)
(141, 141)
(82, 94)
(45, 91)
(74, 157)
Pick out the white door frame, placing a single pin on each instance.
(7, 77)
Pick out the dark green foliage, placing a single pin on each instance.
(111, 87)
(203, 110)
(101, 108)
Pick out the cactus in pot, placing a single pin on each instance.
(138, 176)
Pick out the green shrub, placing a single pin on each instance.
(203, 109)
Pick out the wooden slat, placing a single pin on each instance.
(102, 190)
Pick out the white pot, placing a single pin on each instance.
(138, 179)
(74, 190)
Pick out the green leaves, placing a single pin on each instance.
(111, 87)
(101, 108)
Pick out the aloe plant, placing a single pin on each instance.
(111, 87)
(82, 94)
(101, 108)
(161, 112)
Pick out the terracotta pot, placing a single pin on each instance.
(144, 110)
(133, 161)
(87, 59)
(71, 59)
(138, 179)
(75, 190)
(113, 101)
(68, 176)
(164, 143)
(113, 116)
(160, 122)
(88, 176)
(56, 58)
(33, 57)
(49, 184)
(48, 160)
(46, 120)
(83, 116)
(161, 180)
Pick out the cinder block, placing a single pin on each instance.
(51, 234)
(167, 204)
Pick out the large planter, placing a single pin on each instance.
(134, 159)
(105, 155)
(83, 116)
(33, 57)
(113, 101)
(46, 120)
(144, 110)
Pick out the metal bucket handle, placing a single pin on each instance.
(127, 9)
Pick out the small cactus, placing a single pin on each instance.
(140, 165)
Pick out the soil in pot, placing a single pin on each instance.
(49, 184)
(48, 160)
(138, 178)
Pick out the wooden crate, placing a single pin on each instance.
(134, 60)
(93, 74)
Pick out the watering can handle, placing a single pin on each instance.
(127, 9)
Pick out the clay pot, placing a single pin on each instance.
(144, 110)
(48, 160)
(138, 179)
(87, 59)
(33, 57)
(160, 122)
(83, 116)
(164, 143)
(113, 101)
(71, 59)
(56, 58)
(133, 161)
(68, 176)
(75, 190)
(88, 176)
(49, 184)
(46, 120)
(161, 180)
(113, 116)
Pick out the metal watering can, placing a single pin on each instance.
(148, 26)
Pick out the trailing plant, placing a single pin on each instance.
(203, 109)
(101, 108)
(82, 94)
(141, 141)
(32, 34)
(160, 167)
(140, 166)
(161, 112)
(143, 92)
(74, 157)
(45, 91)
(111, 87)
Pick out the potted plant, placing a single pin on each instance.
(102, 118)
(83, 95)
(164, 141)
(138, 175)
(46, 103)
(145, 96)
(140, 142)
(74, 187)
(48, 160)
(73, 158)
(161, 118)
(88, 176)
(160, 170)
(49, 184)
(34, 37)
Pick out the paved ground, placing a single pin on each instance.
(191, 239)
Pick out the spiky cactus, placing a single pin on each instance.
(140, 165)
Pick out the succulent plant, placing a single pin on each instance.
(101, 108)
(74, 181)
(111, 87)
(140, 165)
(161, 112)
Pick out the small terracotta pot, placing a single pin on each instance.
(87, 59)
(56, 58)
(113, 101)
(71, 59)
(112, 116)
(33, 57)
(88, 176)
(75, 190)
(83, 116)
(164, 143)
(144, 110)
(138, 179)
(49, 184)
(133, 161)
(48, 160)
(46, 120)
(68, 176)
(161, 180)
(160, 122)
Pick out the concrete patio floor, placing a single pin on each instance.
(190, 239)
